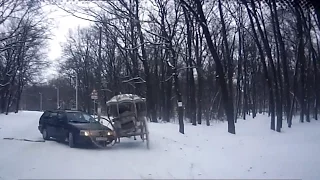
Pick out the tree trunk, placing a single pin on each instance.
(191, 84)
(227, 100)
(265, 69)
(150, 94)
(228, 58)
(301, 59)
(200, 76)
(284, 60)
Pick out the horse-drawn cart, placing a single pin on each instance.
(127, 117)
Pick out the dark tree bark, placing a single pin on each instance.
(264, 65)
(286, 90)
(150, 93)
(301, 60)
(227, 55)
(227, 100)
(199, 66)
(191, 84)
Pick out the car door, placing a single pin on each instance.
(52, 123)
(61, 126)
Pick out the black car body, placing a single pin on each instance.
(75, 127)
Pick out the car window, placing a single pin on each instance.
(46, 114)
(75, 116)
(87, 117)
(60, 115)
(53, 114)
(79, 117)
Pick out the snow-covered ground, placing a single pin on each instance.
(203, 152)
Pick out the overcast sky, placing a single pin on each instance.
(62, 22)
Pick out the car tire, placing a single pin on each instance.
(71, 140)
(45, 134)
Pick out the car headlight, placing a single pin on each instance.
(84, 133)
(109, 133)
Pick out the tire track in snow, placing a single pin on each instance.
(187, 157)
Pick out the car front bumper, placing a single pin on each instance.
(83, 140)
(88, 140)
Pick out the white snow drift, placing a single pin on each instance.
(203, 152)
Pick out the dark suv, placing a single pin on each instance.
(75, 127)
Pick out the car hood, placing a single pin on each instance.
(89, 126)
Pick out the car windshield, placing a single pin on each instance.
(80, 117)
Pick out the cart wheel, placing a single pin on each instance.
(114, 142)
(147, 138)
(142, 133)
(145, 134)
(142, 137)
(105, 144)
(102, 145)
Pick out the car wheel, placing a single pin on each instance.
(71, 140)
(45, 134)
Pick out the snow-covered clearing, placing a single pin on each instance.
(203, 152)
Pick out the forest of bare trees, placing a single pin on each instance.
(223, 60)
(24, 33)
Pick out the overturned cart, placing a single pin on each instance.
(127, 116)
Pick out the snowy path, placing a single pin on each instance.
(204, 152)
(130, 159)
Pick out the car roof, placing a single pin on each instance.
(71, 111)
(64, 110)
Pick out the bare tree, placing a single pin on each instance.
(154, 51)
(228, 103)
(21, 54)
